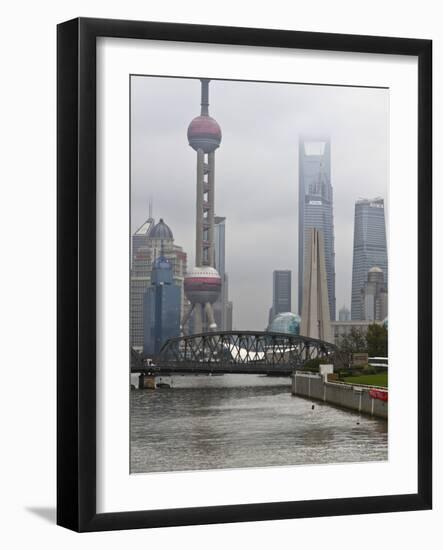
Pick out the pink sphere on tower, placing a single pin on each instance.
(202, 285)
(204, 133)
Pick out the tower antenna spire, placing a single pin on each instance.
(205, 96)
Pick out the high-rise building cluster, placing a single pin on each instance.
(150, 242)
(316, 254)
(169, 298)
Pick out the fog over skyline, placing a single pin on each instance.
(256, 172)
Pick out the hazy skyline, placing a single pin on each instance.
(256, 172)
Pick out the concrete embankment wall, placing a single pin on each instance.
(356, 398)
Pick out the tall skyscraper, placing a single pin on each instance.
(370, 248)
(161, 308)
(281, 293)
(315, 317)
(316, 209)
(374, 296)
(148, 243)
(139, 238)
(220, 244)
(222, 307)
(202, 282)
(344, 314)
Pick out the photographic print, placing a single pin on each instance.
(258, 274)
(229, 299)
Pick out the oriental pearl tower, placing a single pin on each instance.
(202, 283)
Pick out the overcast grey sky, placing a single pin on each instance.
(256, 172)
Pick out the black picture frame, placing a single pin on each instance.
(76, 280)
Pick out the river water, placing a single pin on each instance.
(240, 421)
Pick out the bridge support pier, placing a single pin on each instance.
(146, 382)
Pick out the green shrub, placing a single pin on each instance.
(312, 365)
(358, 368)
(344, 373)
(369, 370)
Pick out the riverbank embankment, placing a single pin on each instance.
(363, 399)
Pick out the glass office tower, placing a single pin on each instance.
(316, 209)
(222, 307)
(161, 308)
(370, 248)
(281, 293)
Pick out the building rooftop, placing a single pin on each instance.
(161, 231)
(145, 227)
(378, 201)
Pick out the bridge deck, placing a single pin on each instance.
(228, 368)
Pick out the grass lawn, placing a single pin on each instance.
(380, 379)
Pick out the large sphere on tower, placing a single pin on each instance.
(204, 133)
(202, 285)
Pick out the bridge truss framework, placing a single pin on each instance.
(239, 352)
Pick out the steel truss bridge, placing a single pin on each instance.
(232, 352)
